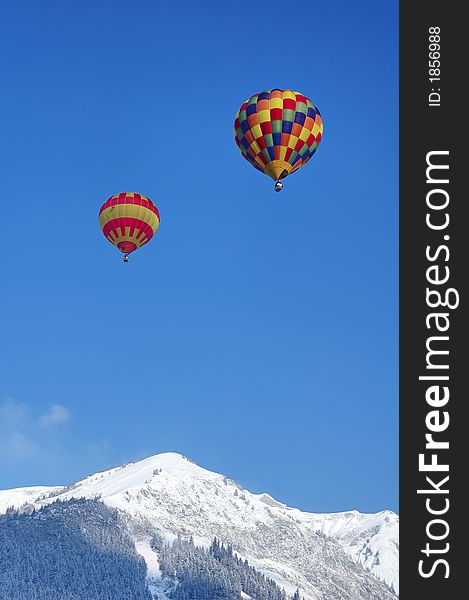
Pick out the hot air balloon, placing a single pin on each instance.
(278, 131)
(129, 220)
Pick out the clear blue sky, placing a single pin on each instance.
(257, 333)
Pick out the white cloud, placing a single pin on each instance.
(37, 442)
(23, 437)
(56, 414)
(16, 445)
(12, 414)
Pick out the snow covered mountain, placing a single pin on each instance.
(344, 556)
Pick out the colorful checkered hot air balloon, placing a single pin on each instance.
(278, 131)
(129, 220)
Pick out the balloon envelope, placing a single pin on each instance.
(129, 220)
(278, 131)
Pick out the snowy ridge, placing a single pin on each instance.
(18, 497)
(326, 555)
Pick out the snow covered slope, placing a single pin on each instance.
(28, 495)
(327, 556)
(372, 540)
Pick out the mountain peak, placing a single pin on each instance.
(172, 461)
(133, 476)
(175, 457)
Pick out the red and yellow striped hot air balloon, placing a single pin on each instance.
(129, 220)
